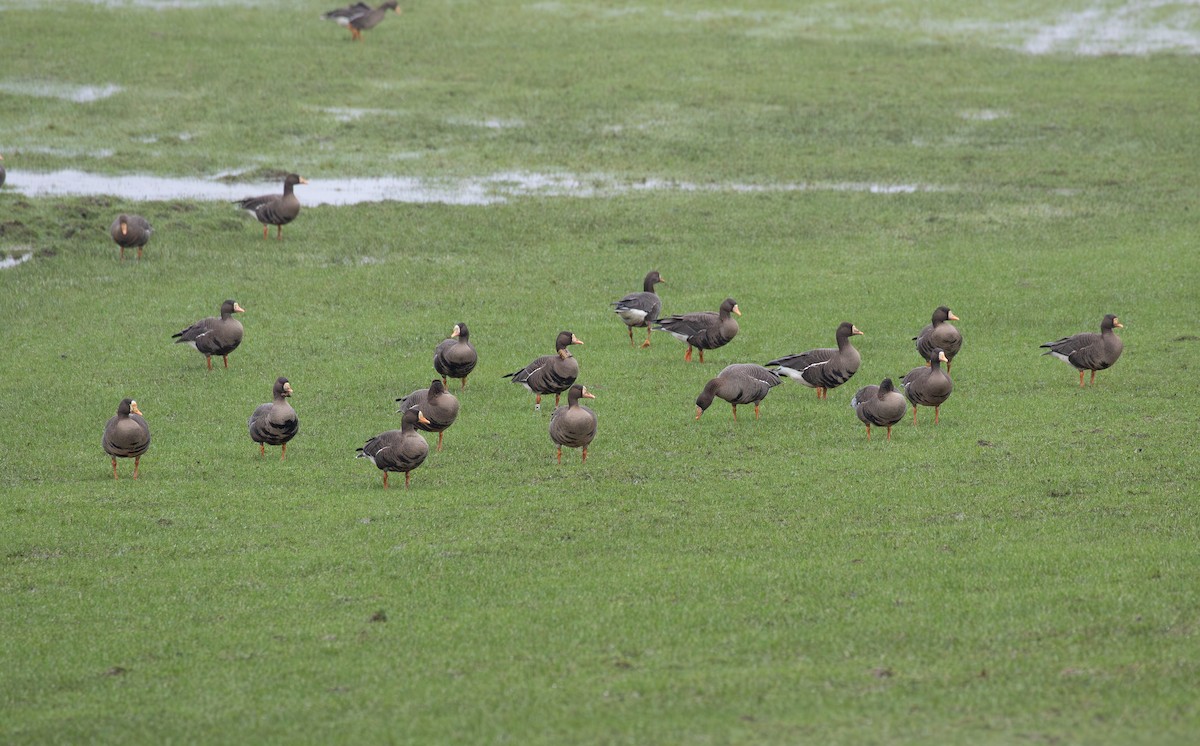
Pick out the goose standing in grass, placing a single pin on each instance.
(826, 367)
(130, 231)
(398, 450)
(275, 209)
(3, 173)
(574, 425)
(359, 17)
(939, 334)
(550, 374)
(456, 357)
(126, 435)
(276, 423)
(215, 336)
(882, 406)
(740, 383)
(928, 387)
(641, 309)
(703, 330)
(1088, 350)
(437, 404)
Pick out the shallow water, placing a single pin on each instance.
(9, 262)
(482, 190)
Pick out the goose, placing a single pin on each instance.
(455, 357)
(641, 309)
(928, 387)
(1088, 350)
(740, 383)
(574, 425)
(130, 231)
(438, 405)
(3, 173)
(550, 374)
(703, 330)
(275, 209)
(398, 450)
(940, 334)
(882, 406)
(824, 368)
(276, 423)
(360, 17)
(215, 336)
(126, 435)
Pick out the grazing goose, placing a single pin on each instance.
(928, 387)
(455, 357)
(275, 209)
(398, 450)
(703, 330)
(882, 406)
(215, 336)
(824, 368)
(276, 423)
(126, 435)
(740, 383)
(360, 17)
(550, 374)
(574, 425)
(940, 334)
(130, 231)
(1088, 350)
(641, 309)
(437, 404)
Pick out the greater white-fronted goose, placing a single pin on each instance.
(574, 425)
(276, 423)
(398, 450)
(740, 383)
(824, 368)
(928, 387)
(1088, 350)
(215, 336)
(437, 404)
(550, 374)
(275, 209)
(703, 330)
(360, 17)
(641, 309)
(456, 357)
(126, 435)
(940, 334)
(882, 406)
(130, 231)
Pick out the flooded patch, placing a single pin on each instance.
(1140, 27)
(14, 260)
(80, 94)
(483, 190)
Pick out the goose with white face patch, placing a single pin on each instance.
(456, 357)
(574, 425)
(398, 450)
(438, 405)
(550, 374)
(939, 334)
(928, 387)
(129, 232)
(740, 383)
(641, 309)
(1088, 350)
(703, 330)
(275, 209)
(215, 335)
(276, 423)
(126, 435)
(826, 367)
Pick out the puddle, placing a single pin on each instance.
(483, 190)
(9, 262)
(80, 94)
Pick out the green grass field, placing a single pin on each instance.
(1024, 572)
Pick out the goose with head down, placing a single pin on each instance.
(126, 435)
(740, 383)
(550, 374)
(129, 232)
(360, 17)
(641, 309)
(826, 367)
(703, 330)
(1090, 351)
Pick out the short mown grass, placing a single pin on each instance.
(1023, 571)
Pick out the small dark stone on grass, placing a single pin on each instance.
(379, 616)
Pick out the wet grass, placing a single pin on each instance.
(1023, 571)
